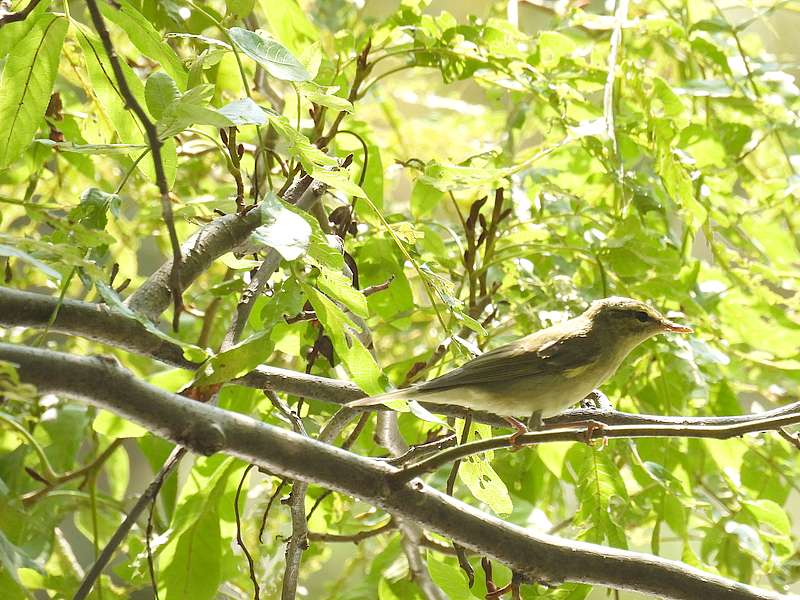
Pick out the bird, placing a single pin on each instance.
(544, 373)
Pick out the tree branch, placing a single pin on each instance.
(207, 429)
(155, 148)
(309, 196)
(103, 325)
(756, 423)
(20, 15)
(199, 252)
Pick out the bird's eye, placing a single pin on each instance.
(641, 316)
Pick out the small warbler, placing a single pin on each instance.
(545, 372)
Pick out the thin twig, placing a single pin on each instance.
(155, 147)
(84, 471)
(374, 289)
(592, 432)
(353, 537)
(792, 439)
(463, 562)
(20, 15)
(271, 501)
(122, 531)
(239, 540)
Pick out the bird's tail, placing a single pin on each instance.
(380, 399)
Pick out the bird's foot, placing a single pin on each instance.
(588, 435)
(499, 592)
(519, 429)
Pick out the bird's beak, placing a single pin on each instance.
(675, 327)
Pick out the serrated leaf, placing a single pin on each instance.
(26, 84)
(339, 287)
(270, 54)
(160, 91)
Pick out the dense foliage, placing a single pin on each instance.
(490, 178)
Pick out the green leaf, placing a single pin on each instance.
(424, 198)
(680, 187)
(27, 83)
(450, 579)
(100, 149)
(299, 145)
(553, 46)
(553, 456)
(290, 24)
(240, 8)
(113, 300)
(270, 54)
(670, 101)
(93, 208)
(477, 474)
(111, 109)
(339, 287)
(282, 229)
(191, 108)
(192, 561)
(12, 33)
(114, 426)
(24, 256)
(339, 179)
(159, 92)
(13, 558)
(325, 97)
(236, 361)
(244, 112)
(342, 331)
(600, 485)
(140, 31)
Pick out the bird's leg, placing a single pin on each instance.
(535, 421)
(519, 429)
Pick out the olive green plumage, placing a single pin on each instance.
(545, 372)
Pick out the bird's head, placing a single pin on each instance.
(629, 319)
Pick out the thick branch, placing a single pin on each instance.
(103, 325)
(206, 429)
(212, 241)
(96, 322)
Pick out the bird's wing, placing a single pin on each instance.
(567, 353)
